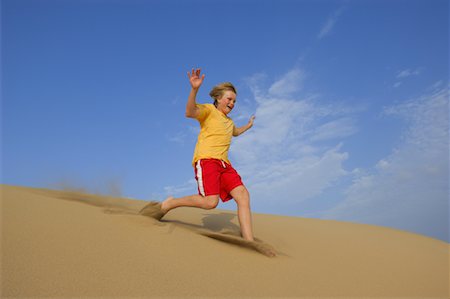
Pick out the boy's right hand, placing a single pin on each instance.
(195, 79)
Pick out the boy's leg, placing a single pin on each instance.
(242, 198)
(207, 174)
(197, 201)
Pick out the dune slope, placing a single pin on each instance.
(70, 244)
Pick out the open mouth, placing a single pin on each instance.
(231, 108)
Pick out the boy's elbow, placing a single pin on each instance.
(189, 114)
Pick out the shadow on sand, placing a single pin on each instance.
(220, 227)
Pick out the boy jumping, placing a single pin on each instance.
(215, 176)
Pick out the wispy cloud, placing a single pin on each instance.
(291, 82)
(330, 23)
(397, 84)
(407, 73)
(335, 129)
(403, 74)
(409, 188)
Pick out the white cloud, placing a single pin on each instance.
(284, 155)
(297, 179)
(397, 84)
(408, 73)
(339, 128)
(437, 85)
(409, 188)
(330, 23)
(382, 164)
(288, 84)
(403, 74)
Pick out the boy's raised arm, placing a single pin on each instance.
(196, 81)
(240, 130)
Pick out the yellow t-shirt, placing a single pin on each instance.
(216, 131)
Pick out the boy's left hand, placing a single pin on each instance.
(250, 122)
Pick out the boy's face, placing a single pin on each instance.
(226, 102)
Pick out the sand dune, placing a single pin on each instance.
(71, 244)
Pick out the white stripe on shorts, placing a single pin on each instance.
(201, 188)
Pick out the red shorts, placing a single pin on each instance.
(216, 177)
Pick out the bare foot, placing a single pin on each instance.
(153, 210)
(165, 205)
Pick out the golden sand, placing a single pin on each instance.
(70, 244)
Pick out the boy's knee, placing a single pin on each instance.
(241, 195)
(211, 202)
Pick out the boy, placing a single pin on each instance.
(215, 176)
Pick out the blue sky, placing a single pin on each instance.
(350, 98)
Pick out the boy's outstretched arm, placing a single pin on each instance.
(240, 130)
(196, 81)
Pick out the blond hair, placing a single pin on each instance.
(218, 90)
